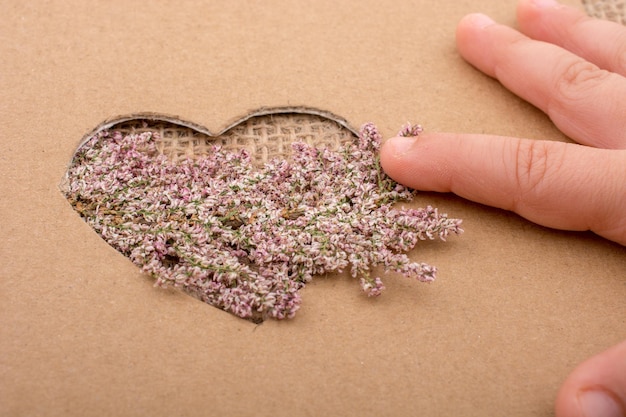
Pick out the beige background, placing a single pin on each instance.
(82, 332)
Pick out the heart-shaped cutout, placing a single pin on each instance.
(242, 220)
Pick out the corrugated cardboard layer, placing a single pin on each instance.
(515, 308)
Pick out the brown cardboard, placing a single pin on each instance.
(83, 333)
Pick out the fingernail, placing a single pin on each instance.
(480, 20)
(596, 403)
(544, 4)
(400, 145)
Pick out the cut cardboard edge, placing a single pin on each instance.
(263, 111)
(176, 120)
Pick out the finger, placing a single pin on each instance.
(597, 387)
(555, 184)
(598, 41)
(585, 102)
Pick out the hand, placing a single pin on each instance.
(574, 69)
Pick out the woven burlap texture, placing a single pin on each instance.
(614, 10)
(264, 137)
(270, 135)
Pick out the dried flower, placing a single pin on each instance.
(247, 240)
(409, 130)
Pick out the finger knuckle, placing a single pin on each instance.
(575, 80)
(531, 167)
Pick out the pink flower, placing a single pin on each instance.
(247, 240)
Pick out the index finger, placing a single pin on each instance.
(555, 184)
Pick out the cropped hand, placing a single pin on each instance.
(574, 69)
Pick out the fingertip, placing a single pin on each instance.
(538, 4)
(473, 41)
(533, 16)
(597, 387)
(526, 13)
(399, 146)
(469, 24)
(414, 162)
(397, 156)
(598, 402)
(476, 21)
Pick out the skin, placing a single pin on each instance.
(580, 83)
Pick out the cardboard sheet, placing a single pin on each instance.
(83, 333)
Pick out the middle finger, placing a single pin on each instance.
(585, 102)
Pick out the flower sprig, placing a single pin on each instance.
(246, 240)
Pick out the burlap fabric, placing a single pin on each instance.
(265, 136)
(270, 134)
(614, 10)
